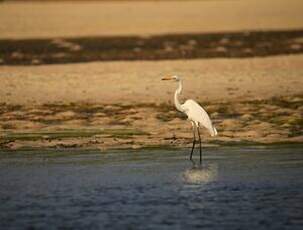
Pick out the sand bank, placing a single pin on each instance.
(126, 105)
(140, 81)
(71, 19)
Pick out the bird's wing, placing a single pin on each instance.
(197, 114)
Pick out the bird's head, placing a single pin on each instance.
(174, 77)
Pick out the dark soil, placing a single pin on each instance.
(174, 46)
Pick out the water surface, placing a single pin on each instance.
(238, 188)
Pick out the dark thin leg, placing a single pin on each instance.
(194, 142)
(200, 146)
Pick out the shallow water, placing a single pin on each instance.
(238, 188)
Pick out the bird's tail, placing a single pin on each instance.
(214, 132)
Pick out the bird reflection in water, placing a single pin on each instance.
(199, 175)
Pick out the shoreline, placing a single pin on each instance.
(125, 104)
(43, 150)
(264, 122)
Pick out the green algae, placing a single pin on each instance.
(72, 133)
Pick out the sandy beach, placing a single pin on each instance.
(241, 60)
(140, 82)
(74, 19)
(126, 105)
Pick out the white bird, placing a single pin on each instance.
(195, 113)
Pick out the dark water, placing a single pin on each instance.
(247, 188)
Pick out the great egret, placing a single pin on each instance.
(195, 113)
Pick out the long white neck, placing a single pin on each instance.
(178, 91)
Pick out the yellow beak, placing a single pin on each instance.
(167, 78)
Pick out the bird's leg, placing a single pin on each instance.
(200, 146)
(194, 142)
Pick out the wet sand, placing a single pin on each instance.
(243, 44)
(90, 126)
(126, 105)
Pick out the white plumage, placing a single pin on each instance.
(198, 115)
(195, 113)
